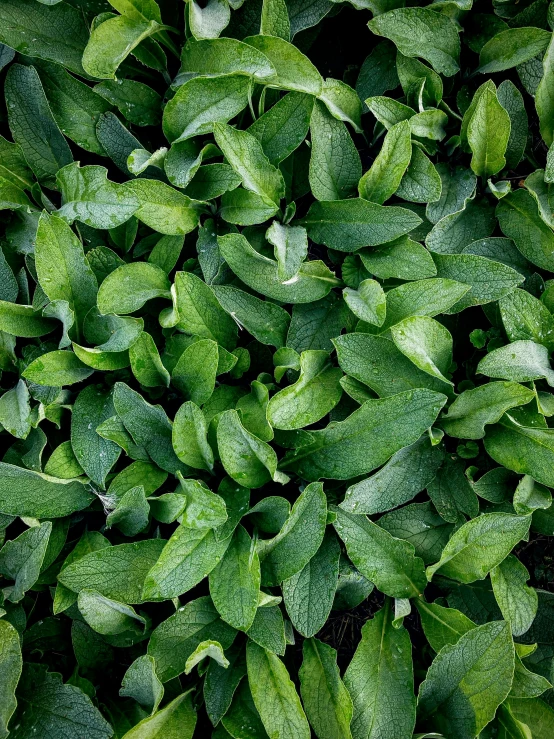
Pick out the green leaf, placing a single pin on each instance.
(488, 133)
(245, 154)
(176, 720)
(291, 248)
(146, 364)
(282, 128)
(267, 322)
(368, 437)
(382, 180)
(141, 683)
(380, 681)
(21, 559)
(311, 397)
(275, 19)
(34, 29)
(458, 693)
(427, 343)
(62, 267)
(68, 710)
(293, 70)
(130, 286)
(12, 663)
(89, 197)
(480, 545)
(342, 102)
(313, 281)
(200, 313)
(326, 699)
(298, 540)
(309, 594)
(202, 102)
(388, 562)
(402, 258)
(368, 302)
(112, 41)
(511, 99)
(544, 97)
(512, 47)
(246, 459)
(520, 221)
(406, 473)
(106, 616)
(176, 638)
(56, 369)
(195, 372)
(473, 409)
(15, 411)
(116, 572)
(524, 450)
(225, 56)
(235, 582)
(517, 601)
(421, 182)
(521, 361)
(451, 493)
(148, 426)
(189, 437)
(527, 318)
(421, 32)
(27, 493)
(442, 625)
(163, 208)
(274, 695)
(189, 555)
(335, 165)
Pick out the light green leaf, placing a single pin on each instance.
(15, 411)
(517, 601)
(189, 437)
(406, 473)
(368, 302)
(458, 692)
(473, 409)
(382, 180)
(544, 97)
(520, 221)
(267, 322)
(388, 562)
(163, 208)
(528, 451)
(427, 343)
(488, 133)
(142, 683)
(293, 70)
(235, 582)
(421, 32)
(298, 540)
(275, 19)
(203, 101)
(107, 616)
(311, 397)
(56, 369)
(208, 20)
(130, 286)
(380, 681)
(325, 697)
(225, 56)
(313, 281)
(146, 364)
(195, 372)
(95, 455)
(274, 695)
(512, 47)
(88, 196)
(27, 493)
(176, 720)
(245, 154)
(368, 437)
(527, 318)
(521, 361)
(480, 545)
(402, 258)
(12, 663)
(112, 41)
(291, 248)
(246, 459)
(342, 102)
(309, 594)
(442, 625)
(176, 638)
(282, 128)
(21, 559)
(335, 165)
(347, 225)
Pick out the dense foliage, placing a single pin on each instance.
(276, 315)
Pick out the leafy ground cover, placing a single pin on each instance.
(276, 315)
